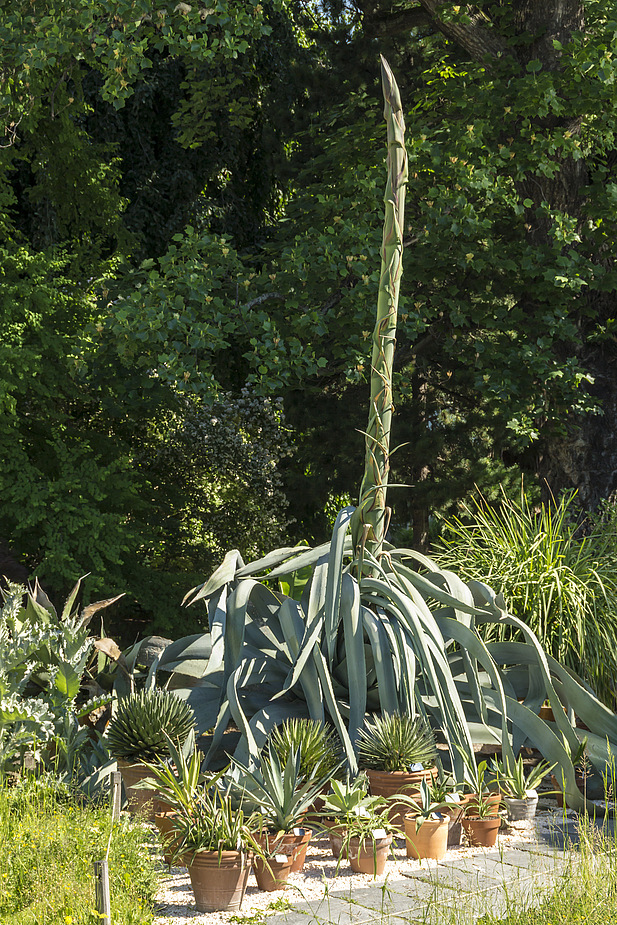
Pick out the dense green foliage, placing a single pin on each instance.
(190, 208)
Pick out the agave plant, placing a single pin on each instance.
(392, 742)
(318, 746)
(378, 629)
(144, 723)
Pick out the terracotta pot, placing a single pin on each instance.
(389, 783)
(165, 824)
(454, 812)
(431, 839)
(300, 845)
(337, 836)
(481, 833)
(521, 810)
(272, 874)
(369, 858)
(137, 800)
(219, 887)
(292, 843)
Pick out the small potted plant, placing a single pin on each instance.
(367, 836)
(216, 842)
(482, 820)
(447, 791)
(282, 796)
(519, 790)
(346, 799)
(426, 825)
(398, 753)
(138, 734)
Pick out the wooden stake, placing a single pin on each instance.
(116, 795)
(101, 887)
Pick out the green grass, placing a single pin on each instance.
(48, 845)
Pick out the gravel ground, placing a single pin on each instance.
(175, 903)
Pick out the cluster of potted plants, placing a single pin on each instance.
(257, 815)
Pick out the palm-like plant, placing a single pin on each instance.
(317, 744)
(392, 742)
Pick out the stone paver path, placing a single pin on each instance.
(454, 891)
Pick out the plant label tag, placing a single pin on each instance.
(379, 833)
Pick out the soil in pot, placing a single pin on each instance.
(272, 874)
(389, 783)
(219, 887)
(371, 856)
(481, 833)
(429, 841)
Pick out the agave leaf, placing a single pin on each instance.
(275, 558)
(473, 644)
(384, 665)
(224, 575)
(310, 557)
(354, 648)
(334, 579)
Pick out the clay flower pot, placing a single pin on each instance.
(389, 783)
(429, 841)
(482, 833)
(369, 858)
(137, 800)
(219, 884)
(272, 874)
(165, 824)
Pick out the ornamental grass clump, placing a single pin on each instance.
(561, 583)
(139, 729)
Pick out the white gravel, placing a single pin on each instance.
(175, 897)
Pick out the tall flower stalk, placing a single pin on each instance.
(370, 518)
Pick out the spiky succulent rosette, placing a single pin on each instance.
(137, 731)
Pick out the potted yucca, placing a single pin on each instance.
(398, 752)
(215, 839)
(138, 735)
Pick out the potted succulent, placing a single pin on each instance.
(398, 753)
(216, 842)
(359, 825)
(138, 734)
(346, 799)
(482, 820)
(282, 795)
(321, 752)
(426, 825)
(519, 789)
